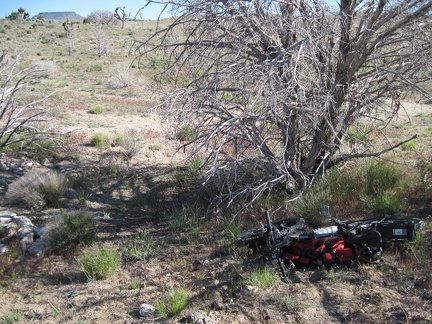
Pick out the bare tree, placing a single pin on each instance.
(121, 15)
(19, 122)
(271, 87)
(102, 17)
(102, 42)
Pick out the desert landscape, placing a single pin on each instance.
(136, 182)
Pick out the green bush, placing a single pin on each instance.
(99, 262)
(99, 140)
(70, 231)
(97, 110)
(38, 188)
(186, 133)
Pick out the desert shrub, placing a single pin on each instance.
(131, 146)
(121, 76)
(139, 247)
(38, 188)
(99, 140)
(99, 261)
(119, 139)
(45, 69)
(71, 230)
(97, 110)
(186, 133)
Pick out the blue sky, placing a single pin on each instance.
(83, 8)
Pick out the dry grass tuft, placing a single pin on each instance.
(37, 188)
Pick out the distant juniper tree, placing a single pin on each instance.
(19, 15)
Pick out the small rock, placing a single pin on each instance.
(146, 310)
(201, 317)
(3, 248)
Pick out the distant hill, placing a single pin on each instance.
(60, 15)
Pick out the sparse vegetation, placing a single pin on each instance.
(146, 202)
(263, 278)
(139, 247)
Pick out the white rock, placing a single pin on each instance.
(5, 220)
(146, 310)
(3, 248)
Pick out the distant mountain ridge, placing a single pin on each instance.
(60, 15)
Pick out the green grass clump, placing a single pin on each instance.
(70, 231)
(173, 304)
(99, 262)
(195, 164)
(99, 140)
(263, 278)
(139, 247)
(157, 147)
(187, 217)
(97, 110)
(38, 188)
(162, 309)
